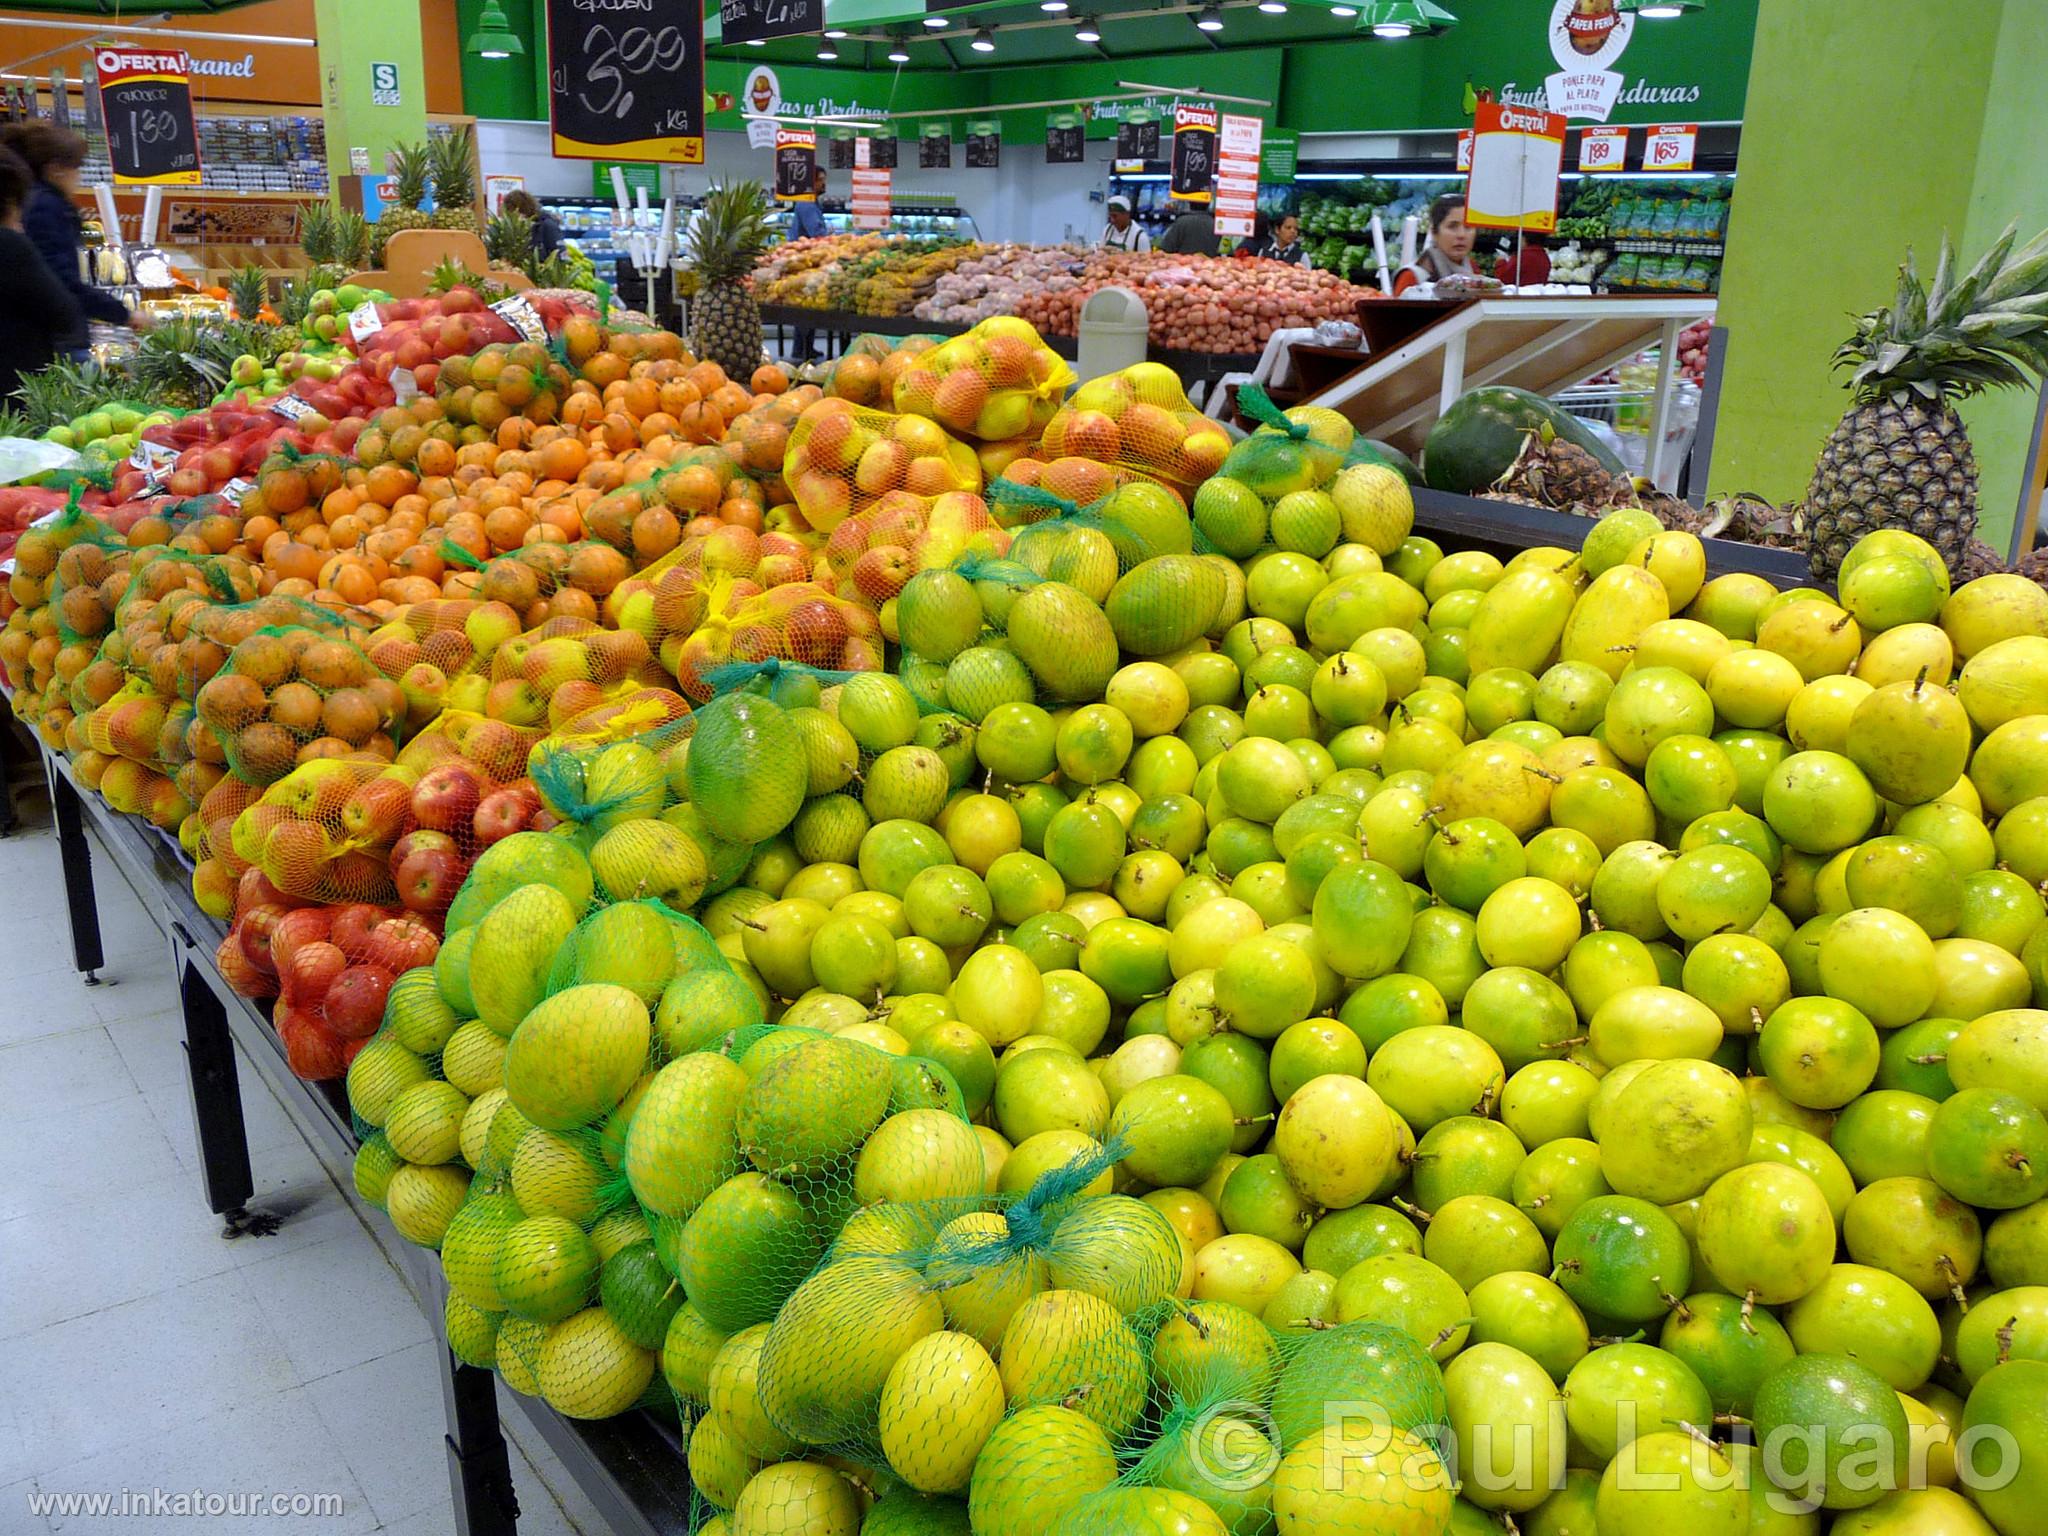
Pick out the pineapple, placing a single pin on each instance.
(1899, 457)
(508, 238)
(351, 239)
(452, 166)
(725, 241)
(316, 233)
(249, 291)
(409, 168)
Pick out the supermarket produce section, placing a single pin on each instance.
(928, 944)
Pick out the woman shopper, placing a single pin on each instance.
(1449, 251)
(547, 229)
(36, 312)
(50, 219)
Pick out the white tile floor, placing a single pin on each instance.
(140, 1350)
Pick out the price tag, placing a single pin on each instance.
(404, 385)
(149, 457)
(1669, 147)
(522, 317)
(292, 408)
(364, 322)
(233, 492)
(1465, 150)
(1603, 149)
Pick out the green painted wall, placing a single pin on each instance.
(1869, 129)
(354, 34)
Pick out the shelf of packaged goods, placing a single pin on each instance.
(632, 1469)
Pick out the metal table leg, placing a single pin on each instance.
(76, 853)
(479, 1465)
(216, 1095)
(10, 759)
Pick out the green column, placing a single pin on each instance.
(1870, 126)
(355, 36)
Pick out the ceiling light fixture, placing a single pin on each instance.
(494, 37)
(1659, 10)
(835, 32)
(1088, 31)
(1054, 6)
(1209, 19)
(936, 22)
(1404, 18)
(898, 53)
(757, 42)
(984, 41)
(1273, 7)
(827, 53)
(1344, 10)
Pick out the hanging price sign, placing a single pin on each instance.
(1237, 175)
(1465, 150)
(1194, 154)
(796, 156)
(870, 201)
(1603, 150)
(1669, 147)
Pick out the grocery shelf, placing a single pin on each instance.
(632, 1469)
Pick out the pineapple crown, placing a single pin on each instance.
(1957, 336)
(729, 233)
(452, 167)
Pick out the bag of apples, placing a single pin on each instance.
(867, 371)
(873, 555)
(336, 969)
(997, 381)
(324, 832)
(1139, 419)
(842, 460)
(801, 621)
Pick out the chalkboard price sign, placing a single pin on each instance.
(935, 152)
(796, 156)
(146, 99)
(747, 21)
(1138, 140)
(1194, 154)
(984, 147)
(840, 152)
(627, 84)
(882, 152)
(1063, 143)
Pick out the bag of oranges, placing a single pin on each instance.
(999, 380)
(291, 693)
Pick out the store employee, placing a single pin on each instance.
(1123, 233)
(807, 220)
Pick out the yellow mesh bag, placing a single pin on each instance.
(1139, 419)
(999, 380)
(843, 460)
(324, 832)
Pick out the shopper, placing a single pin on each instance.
(50, 219)
(1123, 233)
(1449, 251)
(547, 229)
(1192, 234)
(807, 222)
(36, 311)
(1527, 269)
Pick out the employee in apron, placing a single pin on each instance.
(1123, 233)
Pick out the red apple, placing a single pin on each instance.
(297, 928)
(253, 929)
(237, 970)
(313, 1051)
(398, 944)
(881, 573)
(253, 888)
(377, 810)
(446, 797)
(428, 878)
(312, 971)
(352, 924)
(419, 838)
(354, 1004)
(505, 811)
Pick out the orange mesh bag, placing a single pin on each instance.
(842, 460)
(542, 581)
(290, 694)
(873, 555)
(138, 723)
(865, 373)
(1139, 419)
(999, 380)
(217, 868)
(324, 832)
(136, 789)
(336, 968)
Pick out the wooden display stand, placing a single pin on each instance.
(411, 255)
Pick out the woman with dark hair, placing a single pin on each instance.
(36, 312)
(50, 219)
(547, 229)
(1449, 250)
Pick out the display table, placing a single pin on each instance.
(1540, 344)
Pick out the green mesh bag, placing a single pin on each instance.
(288, 694)
(1302, 483)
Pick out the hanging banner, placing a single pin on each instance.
(839, 149)
(1194, 154)
(621, 90)
(1603, 151)
(1669, 146)
(748, 21)
(1516, 155)
(146, 99)
(796, 157)
(1279, 151)
(870, 201)
(1137, 137)
(1586, 37)
(1237, 175)
(1465, 150)
(1064, 139)
(984, 146)
(935, 149)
